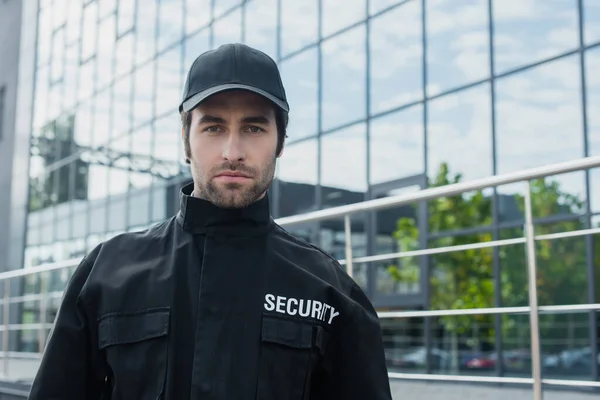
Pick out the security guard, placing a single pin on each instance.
(217, 302)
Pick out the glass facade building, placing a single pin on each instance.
(386, 97)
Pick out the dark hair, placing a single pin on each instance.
(281, 121)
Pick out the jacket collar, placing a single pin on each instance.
(201, 216)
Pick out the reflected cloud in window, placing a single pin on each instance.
(591, 16)
(144, 91)
(397, 145)
(171, 22)
(539, 116)
(339, 14)
(145, 29)
(299, 25)
(228, 29)
(299, 75)
(593, 105)
(396, 57)
(457, 42)
(527, 31)
(298, 175)
(194, 46)
(261, 26)
(344, 166)
(459, 133)
(106, 51)
(344, 89)
(197, 15)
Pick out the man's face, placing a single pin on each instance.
(233, 140)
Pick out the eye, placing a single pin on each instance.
(255, 129)
(213, 129)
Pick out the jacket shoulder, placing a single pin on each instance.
(315, 260)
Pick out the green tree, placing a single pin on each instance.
(464, 279)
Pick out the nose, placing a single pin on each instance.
(233, 150)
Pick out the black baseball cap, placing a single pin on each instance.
(229, 67)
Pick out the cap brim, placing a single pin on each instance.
(196, 99)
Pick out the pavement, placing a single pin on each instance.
(412, 390)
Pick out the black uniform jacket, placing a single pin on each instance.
(212, 304)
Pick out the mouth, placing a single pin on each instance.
(232, 177)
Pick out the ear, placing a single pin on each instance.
(282, 147)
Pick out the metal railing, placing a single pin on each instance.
(346, 212)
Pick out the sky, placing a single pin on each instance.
(538, 111)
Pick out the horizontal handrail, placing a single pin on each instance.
(443, 191)
(490, 379)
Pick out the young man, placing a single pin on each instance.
(218, 302)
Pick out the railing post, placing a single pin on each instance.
(5, 322)
(43, 308)
(536, 370)
(348, 230)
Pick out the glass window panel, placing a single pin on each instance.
(41, 97)
(54, 101)
(79, 220)
(85, 121)
(457, 43)
(171, 22)
(168, 148)
(297, 171)
(143, 96)
(126, 14)
(71, 74)
(222, 6)
(530, 31)
(159, 203)
(592, 77)
(396, 57)
(459, 124)
(124, 55)
(141, 158)
(90, 30)
(397, 145)
(344, 89)
(592, 61)
(75, 12)
(344, 166)
(299, 24)
(261, 26)
(169, 81)
(106, 51)
(44, 37)
(121, 108)
(59, 7)
(194, 46)
(117, 214)
(339, 14)
(228, 29)
(58, 55)
(86, 80)
(591, 16)
(197, 15)
(299, 75)
(536, 111)
(376, 6)
(145, 27)
(97, 132)
(118, 178)
(108, 6)
(138, 207)
(99, 176)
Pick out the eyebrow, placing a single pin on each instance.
(255, 119)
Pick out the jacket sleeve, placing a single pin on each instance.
(357, 368)
(69, 367)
